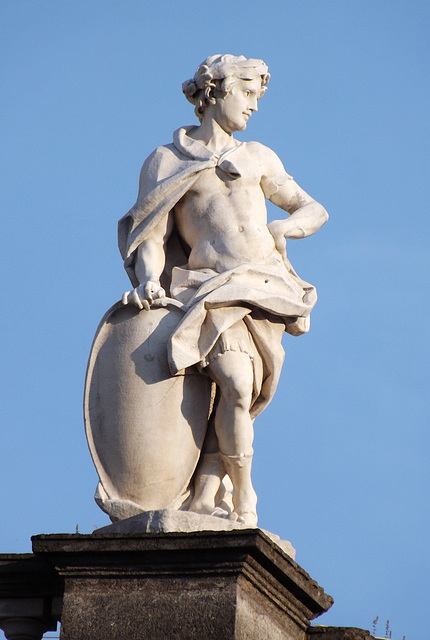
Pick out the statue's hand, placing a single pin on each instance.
(144, 295)
(276, 228)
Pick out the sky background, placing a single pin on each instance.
(89, 89)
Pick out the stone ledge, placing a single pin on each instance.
(225, 584)
(148, 553)
(338, 633)
(23, 575)
(234, 585)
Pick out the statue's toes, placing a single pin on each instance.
(220, 513)
(248, 518)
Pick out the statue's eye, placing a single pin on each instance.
(247, 93)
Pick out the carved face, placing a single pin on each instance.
(233, 110)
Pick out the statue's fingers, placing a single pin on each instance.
(160, 293)
(135, 299)
(124, 298)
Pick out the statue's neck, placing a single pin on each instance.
(213, 136)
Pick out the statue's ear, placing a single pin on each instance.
(211, 95)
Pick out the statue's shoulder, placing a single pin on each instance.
(160, 155)
(160, 164)
(273, 173)
(261, 152)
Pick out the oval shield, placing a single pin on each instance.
(145, 428)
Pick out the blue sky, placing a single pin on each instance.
(89, 90)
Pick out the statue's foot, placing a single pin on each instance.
(248, 518)
(246, 508)
(201, 507)
(209, 510)
(220, 513)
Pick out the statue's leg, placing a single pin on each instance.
(212, 487)
(233, 373)
(209, 474)
(244, 497)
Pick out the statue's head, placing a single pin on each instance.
(218, 74)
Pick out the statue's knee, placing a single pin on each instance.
(233, 373)
(237, 390)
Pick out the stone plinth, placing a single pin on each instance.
(170, 520)
(194, 586)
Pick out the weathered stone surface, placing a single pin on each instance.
(236, 584)
(338, 633)
(145, 452)
(170, 520)
(228, 584)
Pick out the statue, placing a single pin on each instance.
(182, 366)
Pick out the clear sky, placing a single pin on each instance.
(89, 89)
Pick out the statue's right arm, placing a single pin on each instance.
(149, 265)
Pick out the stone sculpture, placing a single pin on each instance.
(183, 365)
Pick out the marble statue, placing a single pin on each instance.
(182, 366)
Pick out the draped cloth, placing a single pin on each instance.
(267, 298)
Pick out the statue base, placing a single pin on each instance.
(235, 584)
(171, 520)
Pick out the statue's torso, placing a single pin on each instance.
(224, 220)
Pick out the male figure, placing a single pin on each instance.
(207, 191)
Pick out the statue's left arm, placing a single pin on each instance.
(306, 214)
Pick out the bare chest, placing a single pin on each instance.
(217, 196)
(216, 179)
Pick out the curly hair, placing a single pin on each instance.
(217, 74)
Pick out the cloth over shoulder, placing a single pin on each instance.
(167, 174)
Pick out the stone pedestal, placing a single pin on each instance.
(195, 586)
